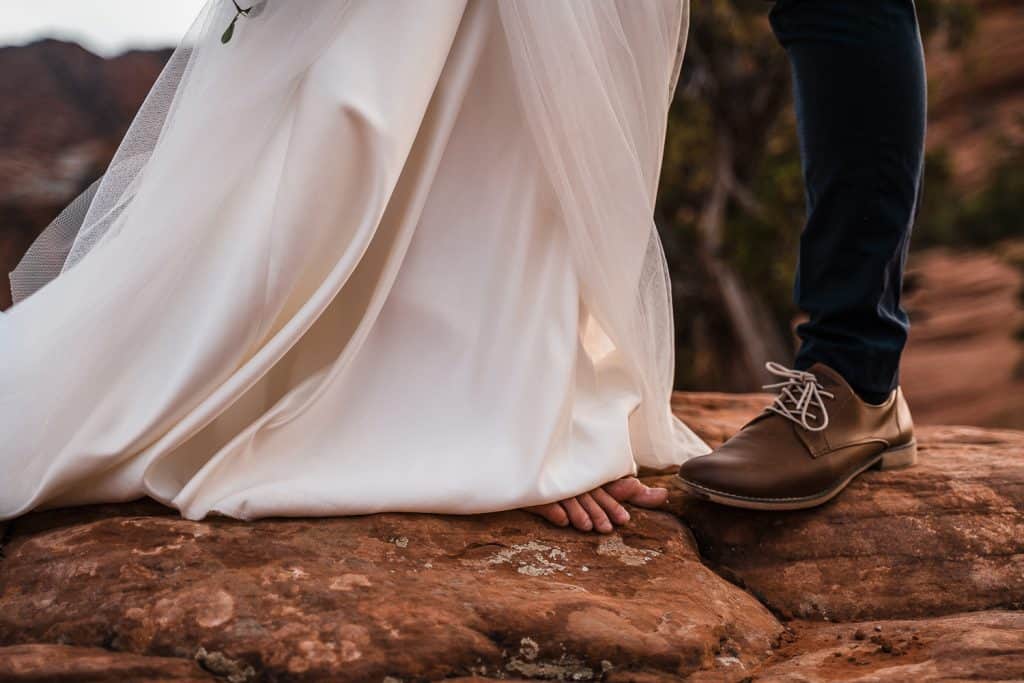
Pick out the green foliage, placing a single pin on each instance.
(940, 207)
(731, 112)
(763, 245)
(997, 211)
(955, 18)
(949, 217)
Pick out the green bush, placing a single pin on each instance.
(950, 217)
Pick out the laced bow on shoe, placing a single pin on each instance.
(801, 397)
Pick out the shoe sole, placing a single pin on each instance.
(890, 459)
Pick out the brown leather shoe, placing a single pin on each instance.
(805, 447)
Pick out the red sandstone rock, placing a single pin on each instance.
(987, 646)
(963, 364)
(363, 598)
(63, 112)
(64, 663)
(975, 94)
(945, 536)
(133, 592)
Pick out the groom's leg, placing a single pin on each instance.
(858, 76)
(859, 83)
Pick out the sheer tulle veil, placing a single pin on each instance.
(596, 106)
(204, 121)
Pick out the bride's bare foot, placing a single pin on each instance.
(602, 508)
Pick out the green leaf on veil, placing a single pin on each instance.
(253, 10)
(230, 31)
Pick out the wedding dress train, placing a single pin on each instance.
(383, 255)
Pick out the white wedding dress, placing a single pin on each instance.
(381, 255)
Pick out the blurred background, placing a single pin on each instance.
(731, 204)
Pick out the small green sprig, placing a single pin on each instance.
(251, 11)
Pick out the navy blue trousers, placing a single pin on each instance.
(859, 87)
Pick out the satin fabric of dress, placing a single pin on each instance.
(383, 313)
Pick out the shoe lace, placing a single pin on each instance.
(800, 397)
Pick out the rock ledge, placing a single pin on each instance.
(914, 575)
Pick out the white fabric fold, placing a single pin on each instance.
(596, 78)
(345, 264)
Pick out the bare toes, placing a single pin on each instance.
(616, 512)
(579, 517)
(632, 490)
(651, 497)
(596, 512)
(602, 508)
(624, 489)
(553, 512)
